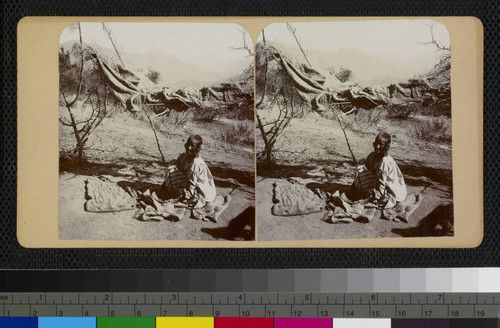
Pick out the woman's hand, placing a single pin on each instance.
(361, 168)
(181, 194)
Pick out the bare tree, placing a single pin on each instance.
(97, 101)
(289, 105)
(96, 104)
(286, 100)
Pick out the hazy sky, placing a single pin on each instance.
(394, 40)
(204, 44)
(208, 45)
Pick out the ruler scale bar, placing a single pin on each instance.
(271, 304)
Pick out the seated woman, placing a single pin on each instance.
(379, 179)
(190, 179)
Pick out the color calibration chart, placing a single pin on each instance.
(241, 323)
(251, 298)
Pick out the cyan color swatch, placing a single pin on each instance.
(66, 322)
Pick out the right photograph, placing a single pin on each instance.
(354, 130)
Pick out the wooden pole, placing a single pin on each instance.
(345, 135)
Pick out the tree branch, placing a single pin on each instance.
(434, 42)
(108, 32)
(265, 73)
(245, 46)
(80, 76)
(293, 31)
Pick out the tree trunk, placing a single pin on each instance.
(269, 157)
(80, 153)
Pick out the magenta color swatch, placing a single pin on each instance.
(303, 323)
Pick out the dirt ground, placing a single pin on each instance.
(124, 150)
(314, 149)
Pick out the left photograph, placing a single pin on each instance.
(156, 132)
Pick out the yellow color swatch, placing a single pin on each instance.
(184, 322)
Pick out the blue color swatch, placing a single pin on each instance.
(18, 322)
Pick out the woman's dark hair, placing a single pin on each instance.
(196, 138)
(384, 137)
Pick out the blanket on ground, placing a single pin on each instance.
(152, 208)
(103, 195)
(293, 198)
(403, 210)
(344, 211)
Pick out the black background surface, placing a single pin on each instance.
(13, 256)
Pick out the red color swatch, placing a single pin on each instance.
(243, 322)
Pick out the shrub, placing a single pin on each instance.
(424, 132)
(439, 108)
(400, 112)
(435, 129)
(154, 76)
(206, 114)
(238, 133)
(343, 74)
(239, 112)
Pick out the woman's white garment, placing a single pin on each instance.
(199, 179)
(390, 180)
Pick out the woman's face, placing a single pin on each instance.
(192, 148)
(381, 147)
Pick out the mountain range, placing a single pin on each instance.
(367, 69)
(174, 72)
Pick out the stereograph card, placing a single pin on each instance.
(249, 132)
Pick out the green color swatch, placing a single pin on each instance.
(126, 322)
